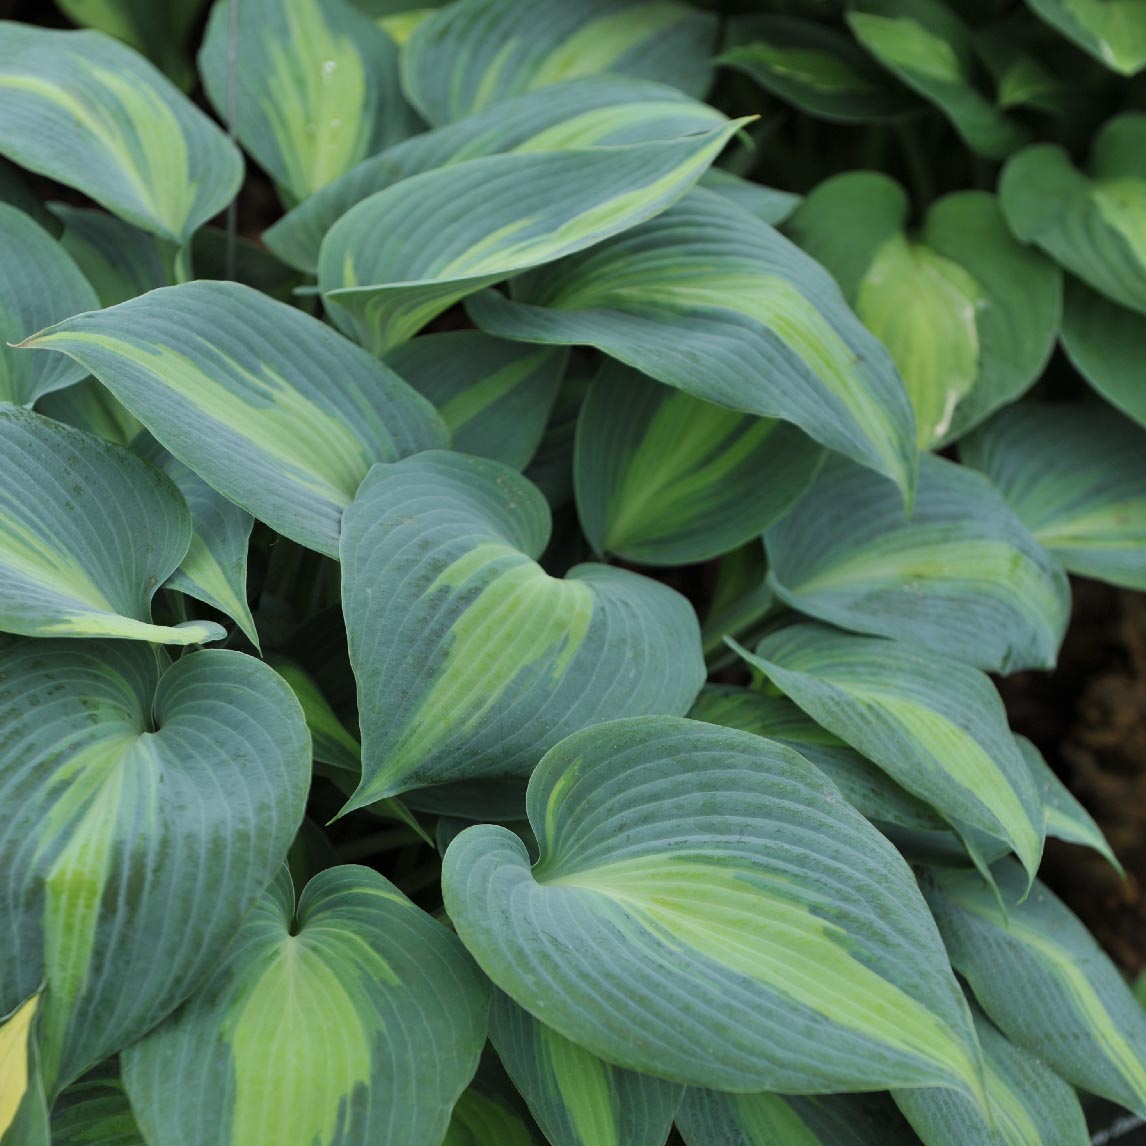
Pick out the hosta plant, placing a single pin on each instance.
(513, 515)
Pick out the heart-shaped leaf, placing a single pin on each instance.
(477, 53)
(927, 46)
(315, 87)
(1076, 476)
(711, 1118)
(935, 725)
(705, 906)
(471, 660)
(270, 406)
(1043, 980)
(663, 478)
(712, 301)
(39, 285)
(962, 576)
(969, 315)
(494, 396)
(87, 561)
(148, 804)
(1029, 1103)
(816, 68)
(577, 1098)
(88, 112)
(1092, 223)
(402, 256)
(1107, 345)
(318, 1025)
(596, 111)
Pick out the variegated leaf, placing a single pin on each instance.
(494, 396)
(707, 907)
(969, 314)
(815, 67)
(39, 285)
(577, 1098)
(926, 45)
(1066, 818)
(1076, 476)
(476, 53)
(214, 568)
(315, 90)
(710, 1118)
(710, 300)
(86, 561)
(353, 1018)
(935, 725)
(269, 406)
(962, 576)
(663, 478)
(402, 256)
(1043, 980)
(149, 803)
(1029, 1104)
(22, 1103)
(1091, 222)
(597, 111)
(90, 113)
(471, 660)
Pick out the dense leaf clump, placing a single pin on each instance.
(499, 586)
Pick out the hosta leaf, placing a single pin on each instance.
(707, 908)
(962, 576)
(491, 1111)
(935, 725)
(494, 396)
(17, 1062)
(119, 260)
(496, 660)
(1066, 818)
(716, 303)
(355, 1018)
(578, 1099)
(869, 789)
(1094, 224)
(147, 805)
(477, 53)
(815, 67)
(1107, 345)
(159, 31)
(1113, 31)
(39, 284)
(15, 191)
(1029, 1104)
(766, 203)
(1016, 54)
(270, 406)
(214, 569)
(1076, 476)
(663, 478)
(927, 46)
(551, 469)
(88, 532)
(597, 111)
(88, 406)
(94, 1111)
(710, 1118)
(92, 114)
(315, 87)
(402, 256)
(969, 315)
(1044, 981)
(741, 598)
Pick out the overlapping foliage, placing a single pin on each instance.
(603, 485)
